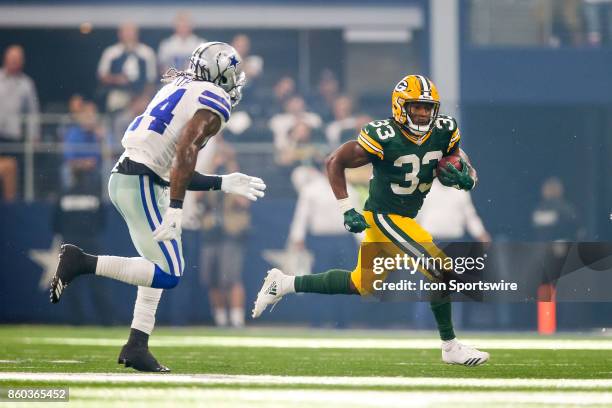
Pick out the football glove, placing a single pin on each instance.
(354, 222)
(241, 184)
(170, 227)
(451, 177)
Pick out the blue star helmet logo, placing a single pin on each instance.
(234, 62)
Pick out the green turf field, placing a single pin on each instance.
(276, 367)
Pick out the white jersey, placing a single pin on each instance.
(151, 137)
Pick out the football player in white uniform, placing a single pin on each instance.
(150, 179)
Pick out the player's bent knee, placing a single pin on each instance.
(163, 280)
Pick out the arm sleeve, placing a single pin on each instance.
(203, 182)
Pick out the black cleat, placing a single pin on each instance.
(72, 263)
(141, 359)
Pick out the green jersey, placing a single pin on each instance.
(404, 166)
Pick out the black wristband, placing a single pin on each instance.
(202, 182)
(176, 203)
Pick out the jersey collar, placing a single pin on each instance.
(415, 139)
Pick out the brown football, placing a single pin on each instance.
(454, 160)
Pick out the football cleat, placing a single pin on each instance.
(270, 292)
(459, 353)
(140, 358)
(71, 265)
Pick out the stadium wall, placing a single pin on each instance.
(100, 301)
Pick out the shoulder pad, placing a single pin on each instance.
(375, 135)
(446, 123)
(213, 98)
(449, 129)
(380, 130)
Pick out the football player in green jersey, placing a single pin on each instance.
(404, 151)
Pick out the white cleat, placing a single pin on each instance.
(459, 353)
(270, 292)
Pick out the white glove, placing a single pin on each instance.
(170, 227)
(241, 184)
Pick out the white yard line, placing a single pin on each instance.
(212, 379)
(341, 343)
(329, 398)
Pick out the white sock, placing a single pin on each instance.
(220, 316)
(145, 309)
(135, 271)
(287, 285)
(237, 317)
(449, 344)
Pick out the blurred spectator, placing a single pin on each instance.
(79, 217)
(554, 219)
(82, 147)
(252, 64)
(75, 105)
(317, 234)
(598, 21)
(225, 221)
(281, 92)
(17, 97)
(555, 223)
(174, 51)
(561, 22)
(126, 68)
(238, 124)
(447, 213)
(328, 90)
(344, 121)
(8, 178)
(295, 112)
(18, 104)
(316, 212)
(298, 148)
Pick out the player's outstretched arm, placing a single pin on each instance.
(203, 125)
(348, 156)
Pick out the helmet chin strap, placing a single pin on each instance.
(417, 130)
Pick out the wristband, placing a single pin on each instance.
(345, 205)
(202, 182)
(176, 203)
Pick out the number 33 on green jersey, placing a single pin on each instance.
(404, 166)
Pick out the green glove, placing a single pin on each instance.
(354, 222)
(451, 177)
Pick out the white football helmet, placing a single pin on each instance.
(219, 63)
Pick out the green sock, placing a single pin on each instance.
(442, 311)
(334, 281)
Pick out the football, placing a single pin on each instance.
(454, 160)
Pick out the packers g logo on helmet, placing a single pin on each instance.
(414, 88)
